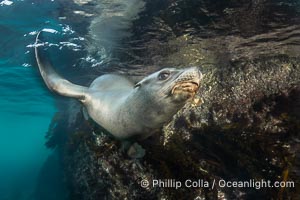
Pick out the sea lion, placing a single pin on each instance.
(125, 109)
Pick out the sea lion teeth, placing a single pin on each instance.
(125, 109)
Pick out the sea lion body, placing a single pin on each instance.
(109, 93)
(125, 109)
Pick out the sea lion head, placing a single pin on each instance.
(168, 90)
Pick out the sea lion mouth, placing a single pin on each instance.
(189, 87)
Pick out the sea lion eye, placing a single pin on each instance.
(163, 75)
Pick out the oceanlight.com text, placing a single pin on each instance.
(200, 183)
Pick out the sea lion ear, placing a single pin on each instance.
(137, 85)
(144, 82)
(140, 83)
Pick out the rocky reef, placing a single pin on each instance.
(246, 125)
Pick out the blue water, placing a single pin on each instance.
(26, 106)
(28, 170)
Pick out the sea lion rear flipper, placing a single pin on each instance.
(53, 80)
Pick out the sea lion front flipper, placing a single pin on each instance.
(136, 151)
(85, 114)
(53, 80)
(133, 150)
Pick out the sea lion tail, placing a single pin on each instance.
(53, 80)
